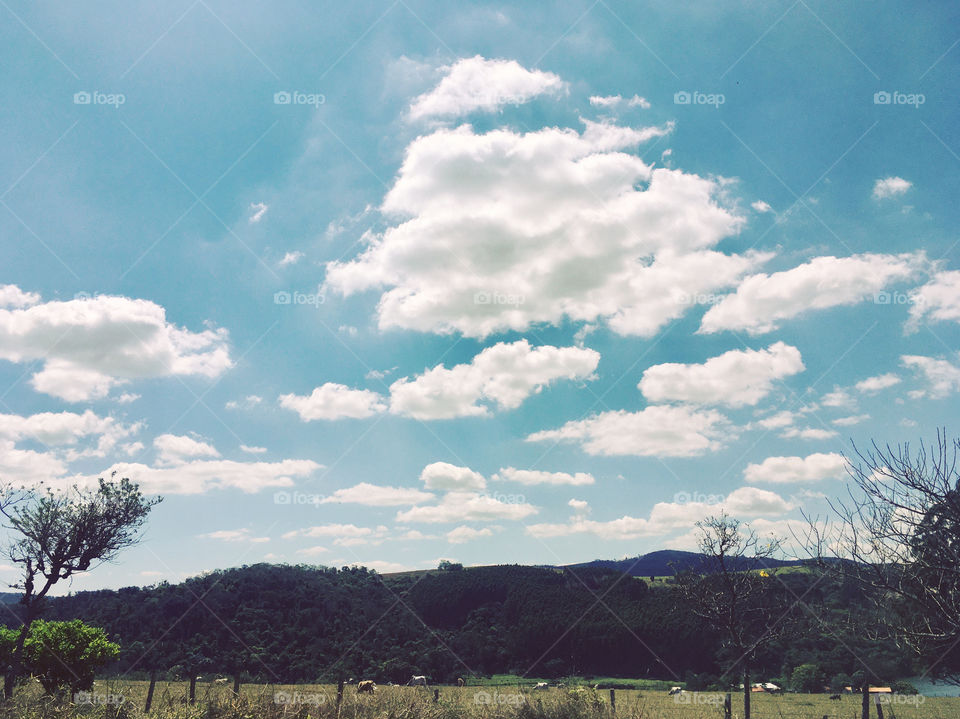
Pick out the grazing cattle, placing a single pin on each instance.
(366, 686)
(675, 690)
(417, 681)
(835, 697)
(541, 686)
(221, 680)
(460, 681)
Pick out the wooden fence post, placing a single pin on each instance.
(727, 706)
(613, 700)
(236, 683)
(876, 698)
(193, 688)
(865, 702)
(436, 695)
(153, 684)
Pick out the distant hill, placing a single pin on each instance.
(667, 562)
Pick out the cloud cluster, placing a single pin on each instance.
(334, 401)
(88, 346)
(478, 84)
(788, 470)
(735, 378)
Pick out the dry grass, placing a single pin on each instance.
(216, 701)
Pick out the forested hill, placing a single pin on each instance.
(668, 562)
(301, 623)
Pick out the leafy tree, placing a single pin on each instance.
(61, 654)
(57, 534)
(807, 679)
(840, 682)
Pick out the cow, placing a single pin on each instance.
(417, 681)
(460, 681)
(835, 697)
(221, 680)
(541, 686)
(675, 690)
(366, 686)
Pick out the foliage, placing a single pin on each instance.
(904, 687)
(807, 678)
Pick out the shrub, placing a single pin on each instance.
(807, 679)
(903, 687)
(63, 654)
(840, 681)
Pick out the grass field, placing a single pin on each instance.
(125, 699)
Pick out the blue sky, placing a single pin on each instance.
(562, 278)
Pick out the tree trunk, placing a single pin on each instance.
(16, 664)
(865, 699)
(746, 692)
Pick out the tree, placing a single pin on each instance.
(732, 592)
(57, 534)
(898, 536)
(807, 679)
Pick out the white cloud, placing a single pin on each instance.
(612, 101)
(334, 401)
(291, 258)
(786, 470)
(579, 506)
(478, 84)
(252, 450)
(807, 433)
(657, 431)
(202, 476)
(498, 231)
(761, 207)
(248, 402)
(838, 398)
(126, 398)
(890, 187)
(850, 421)
(345, 535)
(13, 296)
(938, 300)
(942, 376)
(89, 346)
(177, 449)
(259, 209)
(313, 551)
(444, 476)
(467, 507)
(530, 476)
(735, 378)
(372, 495)
(877, 383)
(781, 419)
(415, 535)
(504, 374)
(464, 534)
(234, 535)
(666, 517)
(28, 466)
(762, 301)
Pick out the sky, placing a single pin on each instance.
(390, 283)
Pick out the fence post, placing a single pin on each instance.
(193, 688)
(236, 683)
(153, 684)
(436, 695)
(339, 694)
(865, 702)
(613, 700)
(727, 706)
(876, 698)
